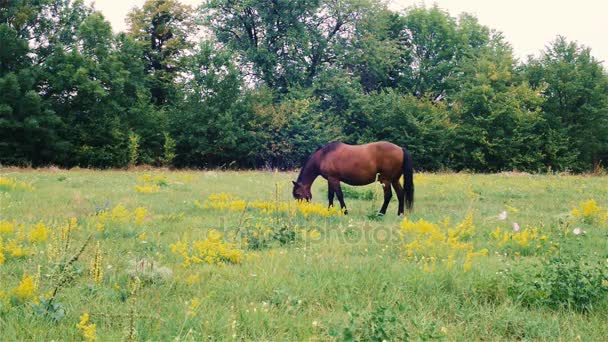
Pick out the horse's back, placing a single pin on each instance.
(360, 164)
(374, 147)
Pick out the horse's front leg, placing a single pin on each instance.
(334, 184)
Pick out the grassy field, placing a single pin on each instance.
(161, 255)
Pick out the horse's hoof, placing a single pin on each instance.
(380, 214)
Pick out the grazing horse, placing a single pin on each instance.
(359, 165)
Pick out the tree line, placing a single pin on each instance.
(263, 83)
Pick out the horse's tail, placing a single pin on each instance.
(408, 179)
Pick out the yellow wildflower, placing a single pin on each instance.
(7, 227)
(139, 215)
(26, 288)
(38, 233)
(142, 237)
(589, 211)
(147, 188)
(120, 214)
(468, 262)
(212, 250)
(16, 250)
(427, 242)
(193, 278)
(525, 241)
(193, 307)
(13, 184)
(87, 328)
(312, 234)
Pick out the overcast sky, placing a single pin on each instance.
(527, 24)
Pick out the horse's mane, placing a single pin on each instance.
(329, 147)
(324, 150)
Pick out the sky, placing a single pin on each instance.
(528, 25)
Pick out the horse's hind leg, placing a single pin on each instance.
(400, 196)
(330, 195)
(334, 184)
(388, 194)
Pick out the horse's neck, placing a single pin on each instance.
(309, 172)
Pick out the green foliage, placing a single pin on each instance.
(499, 119)
(288, 43)
(169, 150)
(276, 80)
(262, 234)
(377, 325)
(133, 148)
(29, 130)
(49, 308)
(292, 291)
(432, 34)
(419, 125)
(569, 280)
(289, 131)
(575, 89)
(13, 55)
(161, 27)
(213, 125)
(352, 192)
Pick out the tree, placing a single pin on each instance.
(377, 55)
(162, 27)
(28, 128)
(289, 131)
(575, 88)
(13, 55)
(431, 36)
(418, 52)
(420, 125)
(499, 124)
(80, 88)
(284, 43)
(210, 126)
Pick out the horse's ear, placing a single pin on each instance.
(295, 183)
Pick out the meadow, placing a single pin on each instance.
(228, 255)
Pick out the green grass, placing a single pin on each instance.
(353, 281)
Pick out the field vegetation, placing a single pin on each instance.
(262, 84)
(193, 255)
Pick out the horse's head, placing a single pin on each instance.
(301, 192)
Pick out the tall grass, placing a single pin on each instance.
(308, 275)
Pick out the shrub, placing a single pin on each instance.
(377, 325)
(168, 150)
(566, 280)
(133, 148)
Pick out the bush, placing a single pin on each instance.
(133, 148)
(169, 150)
(378, 325)
(421, 126)
(566, 280)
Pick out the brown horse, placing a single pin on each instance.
(359, 165)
